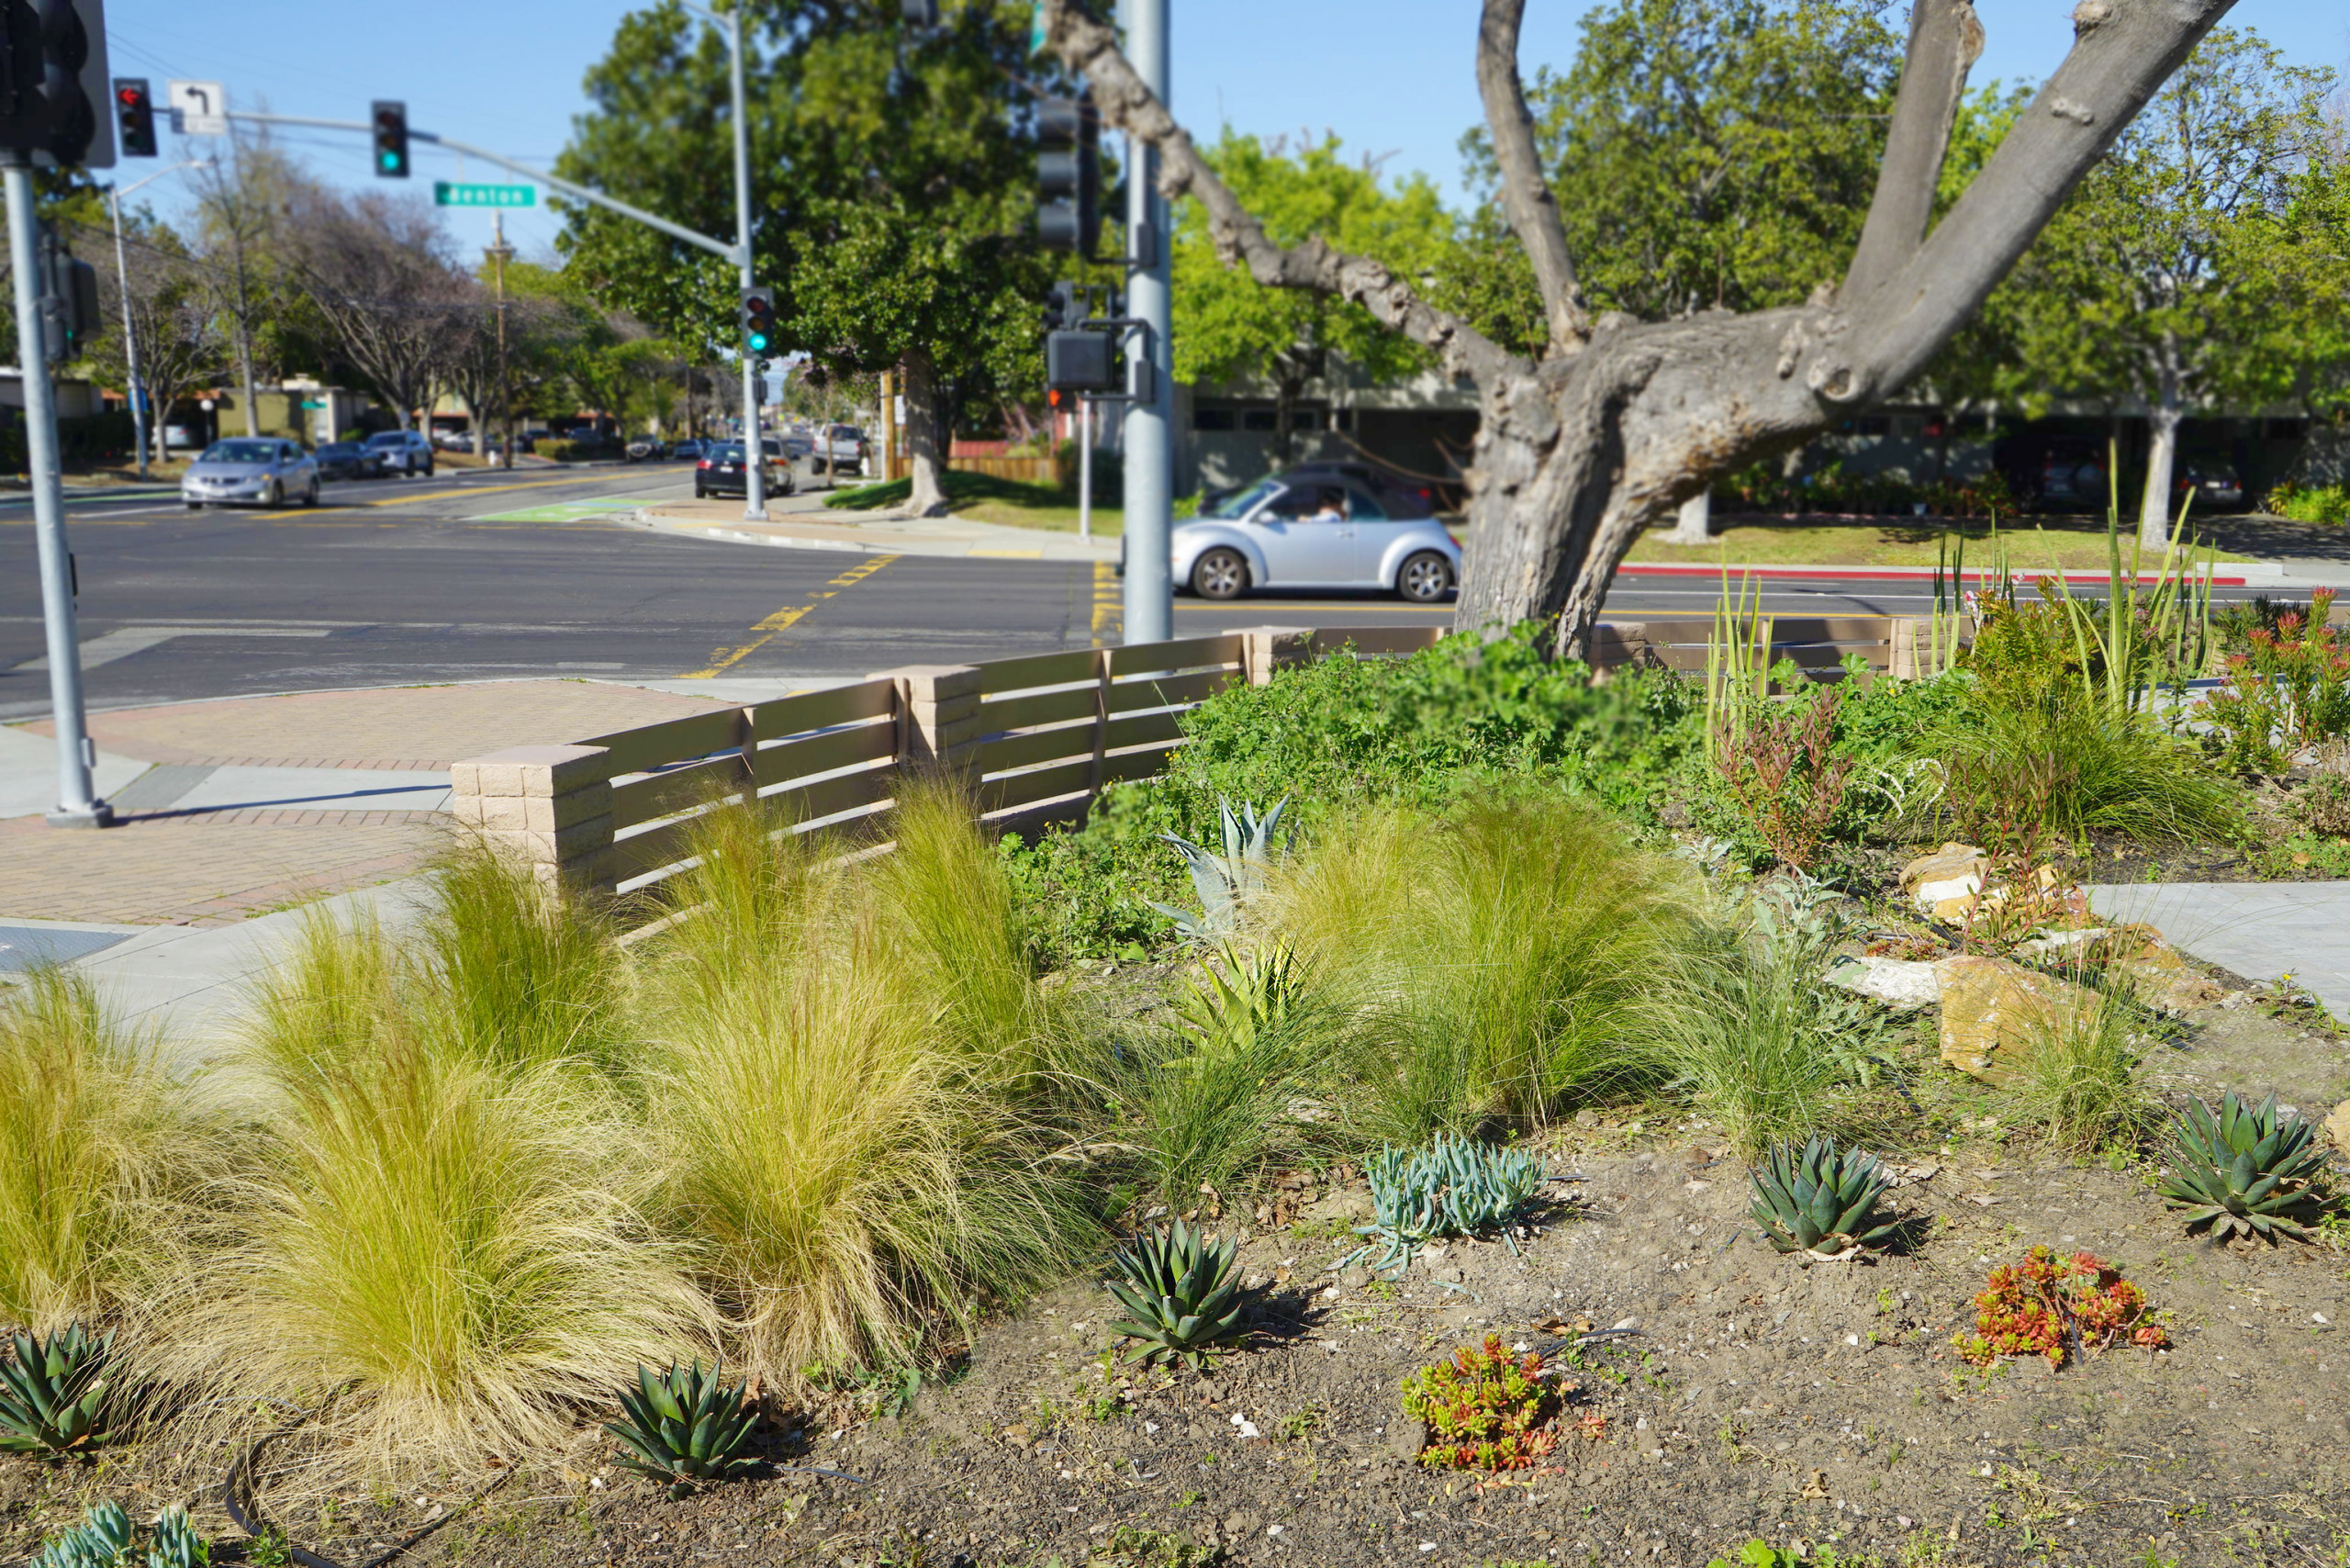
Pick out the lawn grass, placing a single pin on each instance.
(2034, 545)
(982, 498)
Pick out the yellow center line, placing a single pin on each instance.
(1109, 601)
(724, 659)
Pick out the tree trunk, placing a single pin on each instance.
(1286, 389)
(2162, 461)
(927, 465)
(245, 368)
(1697, 524)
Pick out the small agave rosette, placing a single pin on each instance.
(2244, 1171)
(1821, 1201)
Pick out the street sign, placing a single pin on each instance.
(312, 403)
(1036, 33)
(199, 108)
(448, 193)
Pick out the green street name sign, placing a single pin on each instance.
(447, 193)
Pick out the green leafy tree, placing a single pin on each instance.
(893, 173)
(1230, 329)
(2177, 272)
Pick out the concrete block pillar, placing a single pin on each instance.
(1264, 649)
(548, 807)
(938, 713)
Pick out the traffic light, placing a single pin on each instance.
(758, 320)
(1068, 174)
(391, 140)
(68, 300)
(134, 117)
(53, 82)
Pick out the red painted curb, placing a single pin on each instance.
(1875, 574)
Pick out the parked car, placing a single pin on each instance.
(689, 450)
(586, 440)
(349, 460)
(530, 440)
(2214, 483)
(647, 449)
(263, 472)
(840, 449)
(403, 452)
(722, 471)
(2072, 479)
(1291, 532)
(453, 441)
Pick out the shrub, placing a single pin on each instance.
(2314, 503)
(1786, 774)
(1485, 1408)
(2045, 1304)
(102, 1157)
(1500, 959)
(2288, 690)
(2322, 805)
(848, 1132)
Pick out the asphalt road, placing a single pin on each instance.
(482, 575)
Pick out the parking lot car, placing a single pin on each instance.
(403, 452)
(260, 472)
(1300, 532)
(349, 460)
(2214, 483)
(722, 471)
(647, 449)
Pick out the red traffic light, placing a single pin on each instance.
(134, 117)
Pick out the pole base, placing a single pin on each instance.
(754, 514)
(97, 814)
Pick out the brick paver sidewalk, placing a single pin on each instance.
(216, 868)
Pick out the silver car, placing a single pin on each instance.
(1318, 532)
(256, 471)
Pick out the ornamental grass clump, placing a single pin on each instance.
(1485, 1408)
(1504, 958)
(851, 1139)
(2057, 1307)
(2245, 1171)
(105, 1157)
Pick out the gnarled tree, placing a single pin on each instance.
(1617, 422)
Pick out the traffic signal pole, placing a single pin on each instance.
(754, 474)
(1149, 438)
(77, 801)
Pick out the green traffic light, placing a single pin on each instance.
(391, 160)
(758, 342)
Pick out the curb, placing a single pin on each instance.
(2236, 573)
(961, 551)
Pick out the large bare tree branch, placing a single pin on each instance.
(2122, 52)
(1526, 195)
(1944, 40)
(1092, 50)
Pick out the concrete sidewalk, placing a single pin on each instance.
(802, 527)
(2262, 930)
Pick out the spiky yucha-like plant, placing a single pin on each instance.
(1181, 1293)
(1819, 1201)
(53, 1394)
(684, 1425)
(2244, 1171)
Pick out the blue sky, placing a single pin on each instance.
(1390, 76)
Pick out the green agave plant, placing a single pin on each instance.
(53, 1396)
(2244, 1171)
(1819, 1201)
(1181, 1293)
(684, 1426)
(1228, 881)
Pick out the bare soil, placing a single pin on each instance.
(1744, 1394)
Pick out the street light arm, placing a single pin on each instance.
(122, 191)
(735, 253)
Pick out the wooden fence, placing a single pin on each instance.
(1039, 738)
(1043, 471)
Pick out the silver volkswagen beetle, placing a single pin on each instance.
(262, 471)
(1314, 529)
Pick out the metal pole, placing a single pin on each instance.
(505, 395)
(1085, 468)
(77, 802)
(754, 486)
(129, 337)
(1149, 458)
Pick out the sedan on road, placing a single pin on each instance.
(252, 472)
(723, 472)
(349, 460)
(1308, 532)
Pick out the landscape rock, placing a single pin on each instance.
(2164, 978)
(1340, 1206)
(1993, 1009)
(2338, 1124)
(1954, 871)
(1896, 982)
